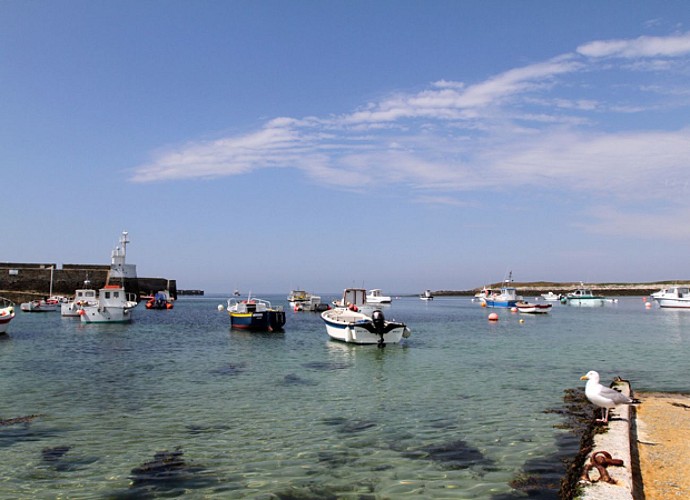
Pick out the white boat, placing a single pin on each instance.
(352, 323)
(375, 296)
(82, 297)
(532, 308)
(6, 314)
(550, 297)
(301, 300)
(427, 295)
(114, 305)
(50, 304)
(40, 305)
(583, 297)
(677, 297)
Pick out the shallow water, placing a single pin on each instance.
(455, 411)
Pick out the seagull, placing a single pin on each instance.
(603, 397)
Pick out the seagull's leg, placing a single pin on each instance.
(606, 418)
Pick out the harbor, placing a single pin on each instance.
(463, 408)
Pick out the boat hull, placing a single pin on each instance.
(534, 308)
(259, 321)
(500, 303)
(39, 306)
(585, 301)
(673, 303)
(6, 315)
(94, 314)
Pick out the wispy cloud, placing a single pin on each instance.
(540, 125)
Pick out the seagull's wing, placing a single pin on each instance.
(617, 397)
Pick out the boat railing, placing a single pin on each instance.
(5, 303)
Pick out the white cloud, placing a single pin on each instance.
(542, 126)
(644, 46)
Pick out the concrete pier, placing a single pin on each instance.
(617, 442)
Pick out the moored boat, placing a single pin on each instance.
(551, 297)
(427, 295)
(161, 300)
(40, 305)
(257, 315)
(352, 322)
(506, 297)
(6, 314)
(114, 305)
(583, 297)
(532, 307)
(301, 300)
(376, 296)
(82, 297)
(677, 297)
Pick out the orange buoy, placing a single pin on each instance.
(493, 317)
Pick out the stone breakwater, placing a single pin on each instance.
(21, 282)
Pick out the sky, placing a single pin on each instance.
(404, 145)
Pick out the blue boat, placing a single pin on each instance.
(255, 315)
(506, 297)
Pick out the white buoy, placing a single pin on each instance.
(220, 307)
(648, 305)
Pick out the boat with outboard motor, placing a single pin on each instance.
(357, 322)
(256, 315)
(6, 314)
(160, 300)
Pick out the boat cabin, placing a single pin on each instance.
(354, 296)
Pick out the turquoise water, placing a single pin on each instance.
(456, 411)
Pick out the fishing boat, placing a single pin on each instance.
(677, 297)
(256, 315)
(427, 295)
(532, 307)
(355, 322)
(301, 300)
(376, 296)
(114, 305)
(583, 297)
(161, 300)
(6, 314)
(83, 297)
(506, 297)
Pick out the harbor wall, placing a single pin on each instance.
(21, 282)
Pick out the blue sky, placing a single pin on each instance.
(402, 145)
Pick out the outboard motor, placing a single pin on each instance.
(379, 322)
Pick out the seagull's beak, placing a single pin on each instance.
(584, 377)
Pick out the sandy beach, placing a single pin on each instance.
(663, 422)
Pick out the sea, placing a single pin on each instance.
(176, 404)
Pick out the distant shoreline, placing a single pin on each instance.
(539, 287)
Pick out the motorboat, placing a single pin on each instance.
(550, 297)
(583, 297)
(160, 300)
(48, 304)
(375, 296)
(6, 314)
(40, 305)
(82, 297)
(677, 297)
(114, 305)
(257, 315)
(483, 293)
(354, 322)
(506, 297)
(533, 307)
(427, 295)
(301, 300)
